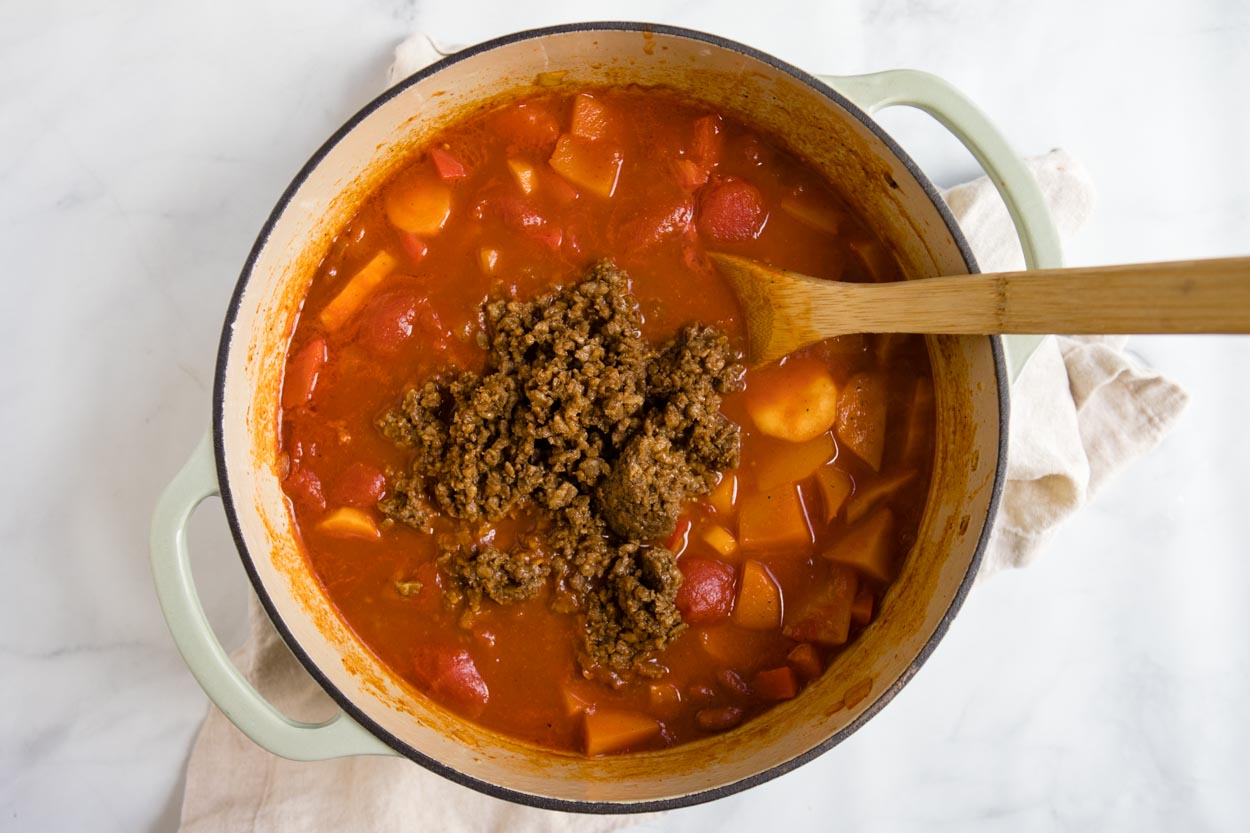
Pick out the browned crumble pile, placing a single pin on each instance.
(577, 416)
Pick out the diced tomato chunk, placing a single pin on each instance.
(521, 215)
(731, 210)
(413, 246)
(360, 484)
(707, 591)
(677, 541)
(529, 126)
(386, 322)
(656, 224)
(302, 371)
(448, 166)
(304, 488)
(452, 676)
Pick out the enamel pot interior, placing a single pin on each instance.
(878, 181)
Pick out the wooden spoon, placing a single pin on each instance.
(786, 310)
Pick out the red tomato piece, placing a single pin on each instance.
(304, 489)
(413, 246)
(653, 226)
(677, 541)
(448, 166)
(707, 591)
(731, 210)
(451, 675)
(530, 126)
(387, 321)
(521, 215)
(360, 485)
(302, 372)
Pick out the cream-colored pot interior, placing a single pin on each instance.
(871, 176)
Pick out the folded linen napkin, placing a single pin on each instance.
(1081, 410)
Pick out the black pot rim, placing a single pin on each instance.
(345, 703)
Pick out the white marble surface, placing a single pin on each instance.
(142, 145)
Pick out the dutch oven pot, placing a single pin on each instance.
(826, 121)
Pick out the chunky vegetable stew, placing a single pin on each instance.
(525, 460)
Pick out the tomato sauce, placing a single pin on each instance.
(783, 563)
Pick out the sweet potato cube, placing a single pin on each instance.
(786, 462)
(812, 210)
(875, 491)
(420, 205)
(346, 522)
(759, 599)
(591, 120)
(525, 174)
(356, 291)
(591, 165)
(861, 417)
(835, 486)
(861, 607)
(918, 436)
(868, 546)
(725, 494)
(721, 540)
(775, 519)
(611, 730)
(824, 614)
(776, 683)
(805, 660)
(795, 401)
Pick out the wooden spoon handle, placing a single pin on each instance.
(1188, 296)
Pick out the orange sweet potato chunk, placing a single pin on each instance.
(611, 730)
(835, 486)
(591, 119)
(868, 546)
(795, 401)
(780, 463)
(759, 599)
(776, 683)
(877, 490)
(773, 519)
(824, 614)
(918, 437)
(595, 166)
(356, 291)
(861, 417)
(420, 205)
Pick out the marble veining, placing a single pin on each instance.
(142, 144)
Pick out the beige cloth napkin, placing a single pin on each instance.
(1081, 410)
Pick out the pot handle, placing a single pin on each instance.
(217, 675)
(954, 111)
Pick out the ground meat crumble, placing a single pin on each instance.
(579, 417)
